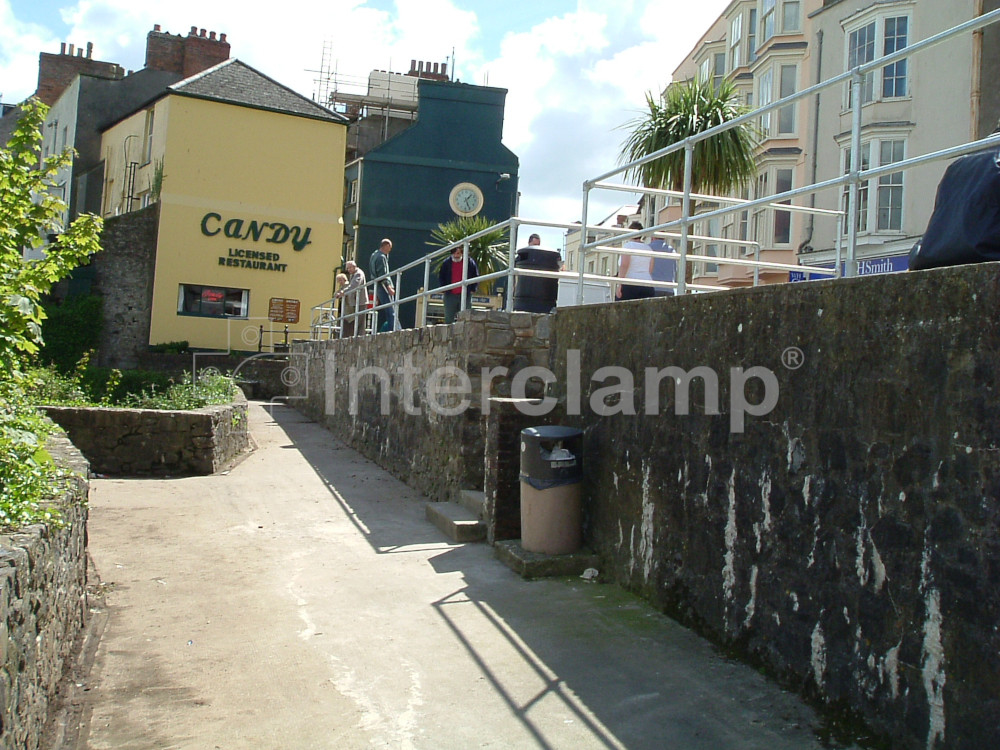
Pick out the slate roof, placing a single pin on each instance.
(235, 82)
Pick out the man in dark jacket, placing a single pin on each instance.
(385, 292)
(451, 273)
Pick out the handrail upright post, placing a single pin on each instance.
(427, 293)
(511, 276)
(685, 218)
(854, 193)
(839, 246)
(511, 257)
(395, 305)
(581, 254)
(463, 302)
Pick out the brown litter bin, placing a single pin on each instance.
(551, 472)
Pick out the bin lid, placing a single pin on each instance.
(534, 255)
(551, 432)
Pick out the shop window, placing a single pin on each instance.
(213, 301)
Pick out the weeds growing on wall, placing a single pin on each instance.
(28, 477)
(135, 389)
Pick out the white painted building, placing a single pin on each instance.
(937, 98)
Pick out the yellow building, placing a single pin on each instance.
(249, 176)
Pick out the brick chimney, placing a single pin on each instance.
(421, 69)
(189, 55)
(56, 72)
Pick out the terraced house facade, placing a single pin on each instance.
(937, 98)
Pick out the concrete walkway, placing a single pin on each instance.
(303, 601)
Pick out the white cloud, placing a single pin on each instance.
(573, 79)
(20, 44)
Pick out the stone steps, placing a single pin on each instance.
(461, 521)
(474, 501)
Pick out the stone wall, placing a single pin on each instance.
(261, 375)
(401, 427)
(847, 540)
(123, 276)
(502, 426)
(43, 578)
(132, 442)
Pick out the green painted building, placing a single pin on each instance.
(450, 162)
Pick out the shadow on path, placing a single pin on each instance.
(605, 663)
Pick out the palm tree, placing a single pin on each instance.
(720, 164)
(489, 251)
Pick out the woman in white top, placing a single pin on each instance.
(636, 268)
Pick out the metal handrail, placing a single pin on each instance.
(853, 179)
(727, 205)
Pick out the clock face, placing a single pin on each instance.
(466, 199)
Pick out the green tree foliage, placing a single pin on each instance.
(29, 212)
(720, 164)
(489, 251)
(71, 329)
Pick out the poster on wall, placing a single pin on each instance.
(281, 310)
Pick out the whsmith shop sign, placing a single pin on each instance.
(273, 232)
(866, 267)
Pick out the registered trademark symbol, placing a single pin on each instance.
(793, 358)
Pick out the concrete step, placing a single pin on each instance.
(456, 522)
(474, 501)
(536, 565)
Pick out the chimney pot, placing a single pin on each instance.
(413, 65)
(79, 52)
(71, 47)
(444, 69)
(211, 35)
(62, 48)
(201, 33)
(435, 68)
(90, 50)
(156, 27)
(222, 37)
(194, 31)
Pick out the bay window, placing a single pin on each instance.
(885, 214)
(735, 42)
(787, 87)
(883, 34)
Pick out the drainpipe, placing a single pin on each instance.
(815, 142)
(977, 78)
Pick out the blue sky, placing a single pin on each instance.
(575, 71)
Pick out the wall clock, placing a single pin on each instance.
(466, 199)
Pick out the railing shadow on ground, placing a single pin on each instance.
(623, 674)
